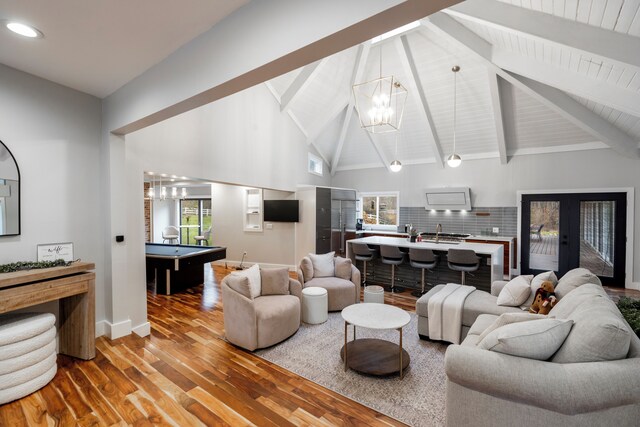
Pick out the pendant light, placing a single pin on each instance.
(380, 103)
(396, 166)
(454, 160)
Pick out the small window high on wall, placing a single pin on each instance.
(315, 165)
(381, 209)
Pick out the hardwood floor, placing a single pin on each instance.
(185, 374)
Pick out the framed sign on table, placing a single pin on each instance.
(55, 251)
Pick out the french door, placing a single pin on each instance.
(564, 231)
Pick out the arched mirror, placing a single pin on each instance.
(9, 193)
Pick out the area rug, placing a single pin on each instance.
(418, 399)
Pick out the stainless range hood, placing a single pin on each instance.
(451, 198)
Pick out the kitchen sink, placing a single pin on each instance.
(442, 242)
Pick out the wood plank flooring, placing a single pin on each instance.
(185, 374)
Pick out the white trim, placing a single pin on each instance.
(142, 330)
(114, 330)
(634, 285)
(379, 194)
(628, 268)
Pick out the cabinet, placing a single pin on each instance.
(510, 255)
(253, 209)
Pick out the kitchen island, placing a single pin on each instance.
(491, 263)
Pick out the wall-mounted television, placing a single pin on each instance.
(281, 211)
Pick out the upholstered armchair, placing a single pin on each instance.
(262, 307)
(337, 275)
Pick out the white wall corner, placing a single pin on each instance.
(143, 330)
(116, 330)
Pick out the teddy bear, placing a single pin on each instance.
(544, 300)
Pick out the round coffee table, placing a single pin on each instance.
(369, 355)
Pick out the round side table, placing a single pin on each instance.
(315, 305)
(374, 294)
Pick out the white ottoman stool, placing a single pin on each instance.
(315, 305)
(374, 294)
(27, 353)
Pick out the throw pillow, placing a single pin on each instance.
(533, 339)
(574, 279)
(343, 268)
(275, 281)
(599, 333)
(515, 292)
(307, 269)
(323, 265)
(247, 282)
(508, 318)
(547, 276)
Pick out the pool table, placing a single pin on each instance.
(178, 267)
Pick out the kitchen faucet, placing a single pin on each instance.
(438, 231)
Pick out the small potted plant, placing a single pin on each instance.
(413, 234)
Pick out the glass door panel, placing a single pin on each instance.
(189, 220)
(544, 227)
(597, 236)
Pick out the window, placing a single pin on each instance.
(380, 209)
(195, 219)
(315, 165)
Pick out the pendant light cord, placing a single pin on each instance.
(455, 96)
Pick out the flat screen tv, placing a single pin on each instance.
(281, 211)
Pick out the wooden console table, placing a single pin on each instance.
(73, 287)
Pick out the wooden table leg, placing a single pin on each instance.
(77, 331)
(401, 373)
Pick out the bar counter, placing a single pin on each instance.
(491, 264)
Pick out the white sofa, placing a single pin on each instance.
(592, 380)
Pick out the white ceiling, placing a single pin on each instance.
(537, 76)
(97, 46)
(555, 92)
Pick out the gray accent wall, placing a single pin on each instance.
(479, 221)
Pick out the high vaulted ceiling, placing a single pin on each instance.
(536, 76)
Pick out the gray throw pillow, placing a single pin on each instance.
(307, 269)
(599, 331)
(275, 281)
(574, 279)
(323, 265)
(508, 318)
(515, 292)
(343, 268)
(533, 339)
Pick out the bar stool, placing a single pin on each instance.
(365, 254)
(393, 256)
(424, 259)
(464, 260)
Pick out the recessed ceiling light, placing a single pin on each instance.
(23, 29)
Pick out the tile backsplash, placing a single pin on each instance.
(479, 221)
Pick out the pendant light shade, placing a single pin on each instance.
(380, 103)
(396, 166)
(454, 160)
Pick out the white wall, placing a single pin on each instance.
(493, 184)
(54, 134)
(274, 246)
(163, 215)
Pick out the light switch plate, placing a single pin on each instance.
(496, 230)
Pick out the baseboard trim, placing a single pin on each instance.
(114, 330)
(142, 330)
(231, 263)
(101, 328)
(634, 285)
